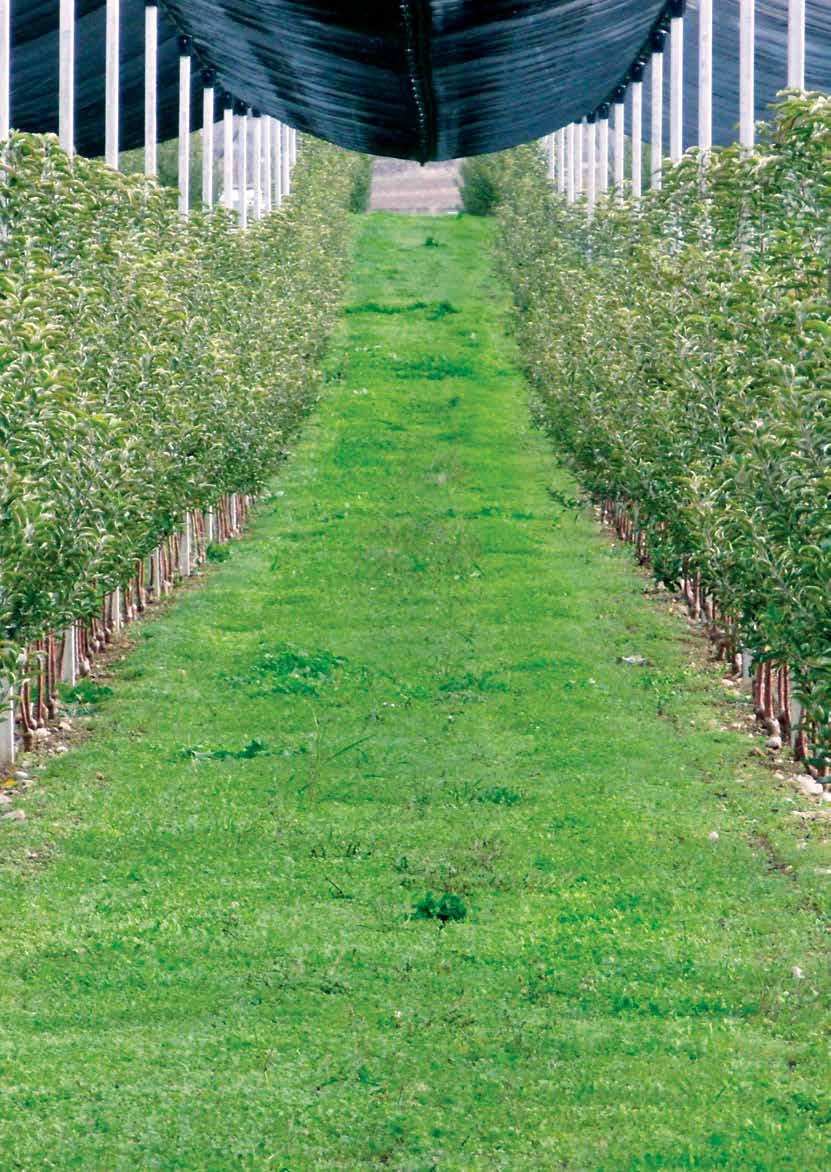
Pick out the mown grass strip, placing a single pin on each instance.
(380, 857)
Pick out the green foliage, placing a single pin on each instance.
(167, 165)
(682, 358)
(254, 748)
(480, 188)
(444, 908)
(361, 184)
(147, 364)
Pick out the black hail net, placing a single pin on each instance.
(409, 78)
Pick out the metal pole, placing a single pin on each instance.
(572, 183)
(111, 85)
(618, 153)
(603, 148)
(747, 71)
(257, 164)
(5, 67)
(267, 184)
(227, 150)
(208, 80)
(590, 130)
(561, 160)
(151, 62)
(242, 166)
(705, 75)
(796, 44)
(657, 130)
(676, 81)
(66, 77)
(637, 130)
(184, 125)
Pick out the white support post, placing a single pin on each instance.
(66, 77)
(293, 133)
(603, 150)
(5, 68)
(796, 44)
(656, 143)
(115, 610)
(7, 745)
(184, 125)
(185, 544)
(257, 164)
(267, 183)
(208, 79)
(156, 573)
(277, 162)
(676, 83)
(637, 130)
(579, 187)
(572, 183)
(705, 75)
(618, 143)
(151, 74)
(227, 151)
(590, 125)
(69, 659)
(286, 156)
(747, 80)
(796, 714)
(210, 526)
(242, 165)
(561, 161)
(111, 83)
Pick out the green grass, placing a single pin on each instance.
(378, 855)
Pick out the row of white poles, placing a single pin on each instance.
(591, 135)
(274, 146)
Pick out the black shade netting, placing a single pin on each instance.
(422, 79)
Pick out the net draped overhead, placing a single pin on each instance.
(421, 79)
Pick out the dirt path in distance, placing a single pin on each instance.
(402, 186)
